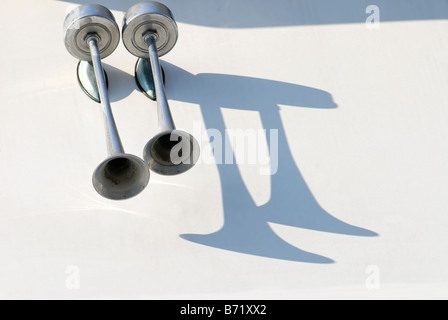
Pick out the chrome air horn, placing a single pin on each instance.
(91, 34)
(149, 31)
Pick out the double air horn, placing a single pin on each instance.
(149, 31)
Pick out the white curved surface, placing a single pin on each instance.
(360, 192)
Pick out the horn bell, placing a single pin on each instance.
(171, 152)
(121, 177)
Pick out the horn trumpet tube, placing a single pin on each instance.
(91, 34)
(149, 31)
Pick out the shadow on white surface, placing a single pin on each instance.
(258, 14)
(121, 84)
(246, 228)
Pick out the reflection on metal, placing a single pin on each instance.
(91, 34)
(145, 79)
(149, 31)
(87, 80)
(86, 21)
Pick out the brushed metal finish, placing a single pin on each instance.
(149, 17)
(165, 118)
(119, 176)
(114, 145)
(86, 20)
(149, 31)
(172, 151)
